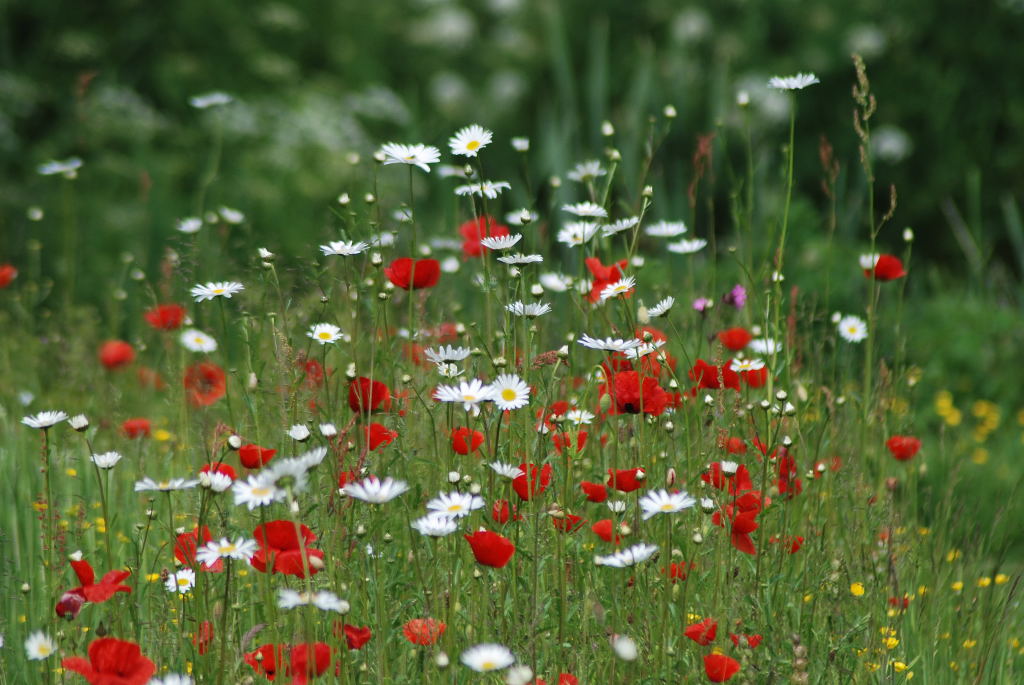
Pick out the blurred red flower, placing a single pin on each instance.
(205, 383)
(903, 447)
(165, 317)
(719, 667)
(474, 230)
(465, 440)
(423, 631)
(254, 456)
(136, 428)
(409, 274)
(114, 354)
(365, 395)
(282, 550)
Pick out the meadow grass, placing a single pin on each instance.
(823, 550)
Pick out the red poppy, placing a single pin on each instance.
(677, 571)
(409, 274)
(563, 679)
(603, 530)
(627, 480)
(502, 511)
(69, 605)
(136, 428)
(702, 633)
(112, 662)
(475, 230)
(595, 492)
(254, 456)
(563, 440)
(7, 274)
(755, 378)
(314, 372)
(150, 378)
(735, 446)
(219, 467)
(603, 275)
(719, 667)
(205, 383)
(713, 377)
(302, 667)
(491, 549)
(355, 637)
(735, 338)
(165, 317)
(185, 547)
(887, 268)
(787, 482)
(532, 482)
(203, 637)
(365, 395)
(378, 434)
(116, 353)
(903, 447)
(266, 659)
(745, 640)
(793, 542)
(465, 440)
(742, 525)
(569, 523)
(737, 483)
(281, 548)
(634, 396)
(423, 631)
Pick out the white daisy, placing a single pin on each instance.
(106, 460)
(619, 287)
(619, 226)
(852, 328)
(588, 209)
(68, 168)
(506, 470)
(518, 258)
(216, 481)
(181, 581)
(314, 457)
(531, 310)
(609, 344)
(665, 502)
(644, 349)
(197, 341)
(239, 549)
(455, 504)
(254, 492)
(627, 557)
(624, 647)
(662, 307)
(729, 468)
(231, 216)
(172, 679)
(212, 99)
(190, 224)
(419, 155)
(555, 282)
(344, 248)
(323, 600)
(487, 657)
(79, 422)
(577, 233)
(324, 333)
(299, 432)
(447, 353)
(45, 420)
(666, 229)
(738, 365)
(285, 474)
(579, 417)
(39, 646)
(469, 140)
(687, 246)
(469, 393)
(147, 484)
(435, 525)
(520, 144)
(501, 242)
(447, 370)
(328, 430)
(765, 346)
(488, 189)
(521, 217)
(586, 171)
(797, 82)
(374, 490)
(509, 391)
(616, 506)
(211, 290)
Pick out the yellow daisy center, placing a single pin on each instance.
(508, 394)
(455, 507)
(488, 666)
(182, 582)
(227, 549)
(324, 335)
(261, 492)
(219, 291)
(666, 507)
(43, 649)
(469, 398)
(473, 145)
